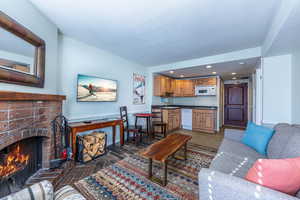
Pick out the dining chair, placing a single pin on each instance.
(135, 129)
(157, 121)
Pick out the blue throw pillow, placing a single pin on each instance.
(257, 137)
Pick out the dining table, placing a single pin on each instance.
(148, 117)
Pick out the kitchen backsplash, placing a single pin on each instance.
(197, 101)
(194, 101)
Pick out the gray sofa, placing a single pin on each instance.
(224, 180)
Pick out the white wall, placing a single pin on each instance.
(296, 88)
(277, 92)
(24, 13)
(76, 58)
(79, 58)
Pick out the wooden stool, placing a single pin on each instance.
(158, 121)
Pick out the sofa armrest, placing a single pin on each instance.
(68, 193)
(219, 186)
(234, 134)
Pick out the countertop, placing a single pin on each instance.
(186, 107)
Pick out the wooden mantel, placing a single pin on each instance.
(22, 96)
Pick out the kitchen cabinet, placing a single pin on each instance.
(162, 86)
(204, 120)
(183, 88)
(173, 119)
(206, 81)
(177, 87)
(188, 89)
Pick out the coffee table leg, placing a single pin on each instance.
(150, 168)
(165, 167)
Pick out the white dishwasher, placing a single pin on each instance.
(187, 118)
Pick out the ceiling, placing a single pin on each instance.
(154, 32)
(242, 68)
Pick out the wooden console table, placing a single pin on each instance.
(77, 127)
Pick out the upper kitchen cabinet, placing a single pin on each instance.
(183, 88)
(212, 81)
(165, 86)
(162, 86)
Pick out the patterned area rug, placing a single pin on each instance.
(126, 179)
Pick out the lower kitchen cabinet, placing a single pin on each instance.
(173, 119)
(204, 120)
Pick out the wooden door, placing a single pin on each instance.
(236, 105)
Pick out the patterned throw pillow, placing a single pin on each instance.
(278, 174)
(68, 193)
(38, 191)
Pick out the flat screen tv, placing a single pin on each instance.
(95, 89)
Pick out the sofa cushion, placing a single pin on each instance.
(278, 174)
(257, 137)
(238, 149)
(285, 143)
(231, 164)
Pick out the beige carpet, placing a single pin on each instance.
(204, 139)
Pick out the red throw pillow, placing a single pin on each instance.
(278, 174)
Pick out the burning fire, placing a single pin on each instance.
(13, 163)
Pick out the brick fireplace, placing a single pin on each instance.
(25, 122)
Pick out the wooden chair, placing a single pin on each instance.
(157, 121)
(136, 130)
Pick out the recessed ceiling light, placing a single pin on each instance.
(208, 66)
(181, 75)
(242, 63)
(171, 72)
(234, 78)
(233, 73)
(214, 72)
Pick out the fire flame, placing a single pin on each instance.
(13, 163)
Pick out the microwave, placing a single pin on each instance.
(205, 90)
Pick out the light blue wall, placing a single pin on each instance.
(27, 15)
(296, 88)
(75, 58)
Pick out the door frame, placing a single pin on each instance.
(246, 100)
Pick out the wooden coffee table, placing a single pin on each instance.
(162, 150)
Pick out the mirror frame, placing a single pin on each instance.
(15, 77)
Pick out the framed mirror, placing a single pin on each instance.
(22, 54)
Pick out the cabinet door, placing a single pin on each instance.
(162, 85)
(157, 85)
(204, 120)
(177, 119)
(177, 88)
(206, 81)
(172, 86)
(189, 89)
(209, 121)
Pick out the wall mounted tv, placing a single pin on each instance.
(95, 89)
